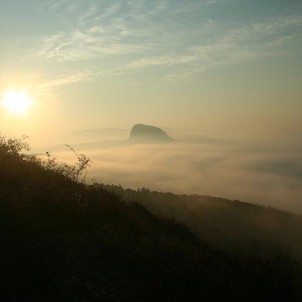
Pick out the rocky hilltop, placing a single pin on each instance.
(147, 133)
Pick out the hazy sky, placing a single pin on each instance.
(230, 68)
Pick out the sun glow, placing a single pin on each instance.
(17, 102)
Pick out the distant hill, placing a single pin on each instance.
(148, 133)
(111, 137)
(95, 135)
(229, 225)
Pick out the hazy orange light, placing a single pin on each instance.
(17, 102)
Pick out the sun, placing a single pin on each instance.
(17, 102)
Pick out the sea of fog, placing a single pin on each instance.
(257, 174)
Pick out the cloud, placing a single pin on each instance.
(90, 12)
(207, 167)
(247, 43)
(289, 166)
(204, 169)
(111, 30)
(63, 79)
(171, 60)
(211, 2)
(236, 45)
(84, 45)
(137, 35)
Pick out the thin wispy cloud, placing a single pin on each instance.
(137, 35)
(131, 30)
(85, 45)
(236, 45)
(246, 43)
(89, 13)
(47, 84)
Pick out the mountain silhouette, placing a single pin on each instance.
(147, 133)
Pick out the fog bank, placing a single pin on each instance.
(257, 174)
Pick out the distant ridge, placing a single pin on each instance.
(148, 133)
(95, 135)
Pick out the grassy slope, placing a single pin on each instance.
(64, 241)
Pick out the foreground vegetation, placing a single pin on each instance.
(62, 240)
(233, 226)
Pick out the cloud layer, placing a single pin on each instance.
(175, 36)
(216, 168)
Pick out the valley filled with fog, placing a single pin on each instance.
(191, 164)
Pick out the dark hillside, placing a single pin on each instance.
(229, 225)
(62, 240)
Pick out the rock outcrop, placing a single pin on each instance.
(147, 133)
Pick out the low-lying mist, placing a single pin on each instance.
(261, 175)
